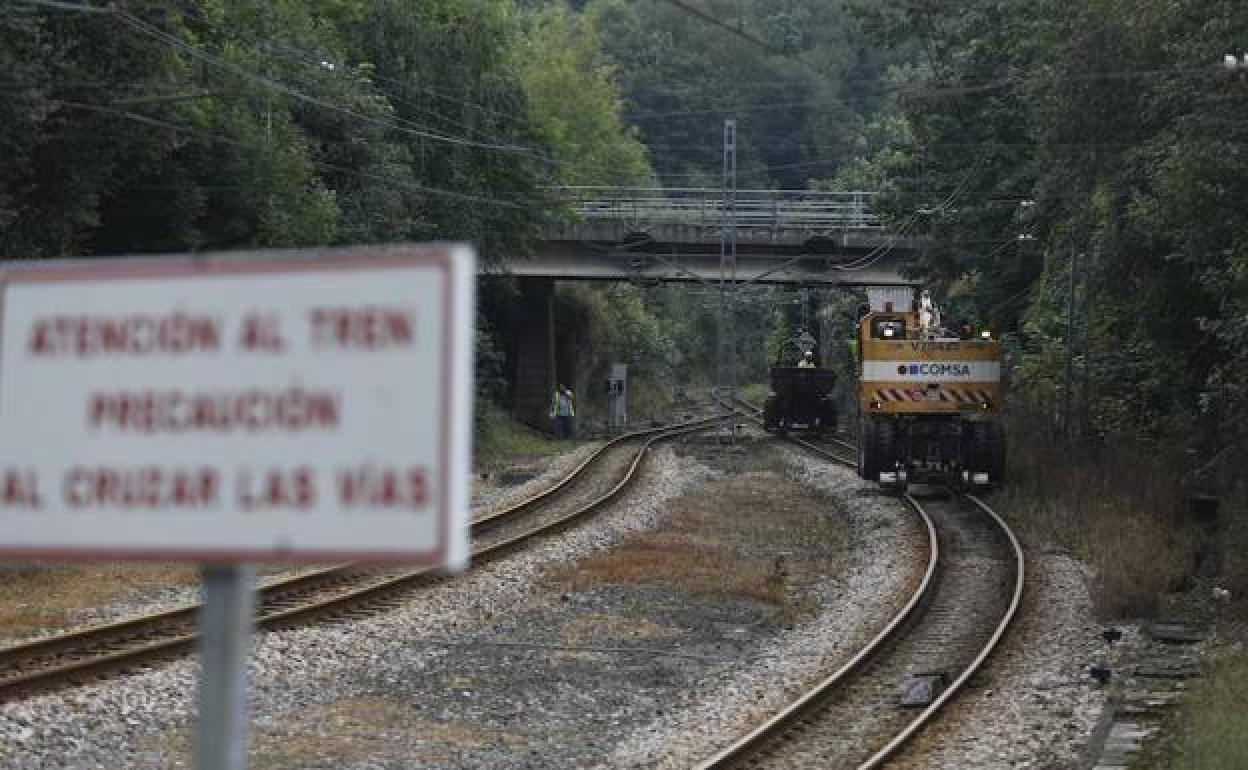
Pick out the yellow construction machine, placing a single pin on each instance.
(929, 396)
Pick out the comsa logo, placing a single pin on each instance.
(934, 370)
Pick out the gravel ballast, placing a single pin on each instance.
(507, 667)
(141, 721)
(488, 495)
(1034, 705)
(886, 554)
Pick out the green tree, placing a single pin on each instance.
(573, 98)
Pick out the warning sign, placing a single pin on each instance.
(279, 405)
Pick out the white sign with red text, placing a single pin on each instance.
(303, 406)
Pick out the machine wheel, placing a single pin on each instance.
(984, 452)
(827, 417)
(885, 443)
(973, 448)
(995, 450)
(769, 414)
(868, 467)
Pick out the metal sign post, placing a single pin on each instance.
(727, 286)
(617, 397)
(225, 635)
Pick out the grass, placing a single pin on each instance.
(501, 440)
(1212, 733)
(749, 536)
(1124, 512)
(1119, 512)
(755, 393)
(45, 596)
(362, 729)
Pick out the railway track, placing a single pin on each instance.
(341, 592)
(829, 448)
(953, 621)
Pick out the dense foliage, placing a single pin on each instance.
(168, 126)
(159, 125)
(1020, 137)
(794, 74)
(1108, 134)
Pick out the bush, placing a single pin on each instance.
(1119, 511)
(1213, 734)
(500, 440)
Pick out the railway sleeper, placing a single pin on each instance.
(919, 690)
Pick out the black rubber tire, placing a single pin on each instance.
(973, 448)
(984, 450)
(994, 449)
(868, 467)
(769, 414)
(885, 443)
(827, 417)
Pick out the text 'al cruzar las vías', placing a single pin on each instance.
(295, 409)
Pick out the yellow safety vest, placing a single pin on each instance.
(554, 404)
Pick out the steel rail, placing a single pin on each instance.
(810, 700)
(807, 445)
(881, 756)
(49, 644)
(487, 553)
(137, 628)
(794, 712)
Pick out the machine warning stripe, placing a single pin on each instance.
(943, 394)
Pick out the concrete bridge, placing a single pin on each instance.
(653, 236)
(666, 235)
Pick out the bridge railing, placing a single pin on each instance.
(775, 209)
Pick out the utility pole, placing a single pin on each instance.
(727, 285)
(1068, 391)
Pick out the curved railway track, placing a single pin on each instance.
(953, 621)
(335, 593)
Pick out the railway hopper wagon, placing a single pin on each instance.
(800, 397)
(929, 400)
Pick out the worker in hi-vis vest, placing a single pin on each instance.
(563, 412)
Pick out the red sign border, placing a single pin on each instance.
(263, 262)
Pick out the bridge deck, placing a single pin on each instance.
(653, 235)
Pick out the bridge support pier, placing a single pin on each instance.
(827, 331)
(533, 379)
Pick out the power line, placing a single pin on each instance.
(322, 63)
(311, 60)
(714, 21)
(272, 84)
(171, 40)
(923, 88)
(424, 89)
(739, 32)
(65, 6)
(216, 137)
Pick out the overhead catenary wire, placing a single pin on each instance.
(921, 88)
(880, 252)
(709, 18)
(319, 62)
(398, 125)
